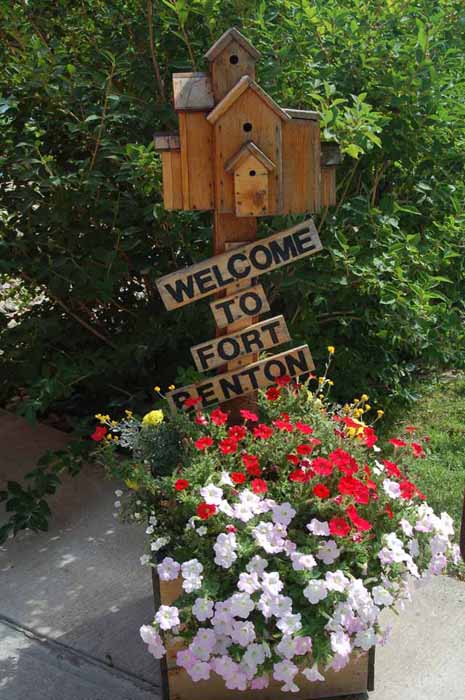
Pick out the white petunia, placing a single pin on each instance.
(406, 527)
(202, 609)
(159, 543)
(271, 583)
(392, 488)
(312, 674)
(254, 656)
(381, 596)
(318, 527)
(248, 583)
(242, 632)
(145, 559)
(340, 643)
(118, 493)
(167, 617)
(168, 569)
(328, 552)
(315, 591)
(257, 565)
(241, 605)
(290, 624)
(211, 494)
(336, 581)
(365, 639)
(225, 479)
(283, 514)
(302, 562)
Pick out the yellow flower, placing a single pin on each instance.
(330, 382)
(321, 380)
(133, 485)
(171, 387)
(331, 349)
(321, 396)
(157, 389)
(364, 397)
(102, 418)
(367, 407)
(153, 418)
(380, 412)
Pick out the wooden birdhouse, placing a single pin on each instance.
(247, 113)
(230, 58)
(251, 170)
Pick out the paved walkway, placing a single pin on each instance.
(72, 601)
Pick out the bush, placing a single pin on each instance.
(84, 86)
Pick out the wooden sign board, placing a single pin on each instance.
(227, 348)
(251, 260)
(224, 387)
(235, 307)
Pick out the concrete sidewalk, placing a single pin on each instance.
(72, 601)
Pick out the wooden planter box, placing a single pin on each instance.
(356, 677)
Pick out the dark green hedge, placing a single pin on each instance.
(83, 86)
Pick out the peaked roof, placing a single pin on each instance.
(239, 88)
(247, 150)
(225, 39)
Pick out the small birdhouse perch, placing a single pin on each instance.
(251, 170)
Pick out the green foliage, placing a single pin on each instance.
(84, 86)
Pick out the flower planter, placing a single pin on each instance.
(356, 677)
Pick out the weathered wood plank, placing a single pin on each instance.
(301, 166)
(192, 92)
(247, 379)
(243, 305)
(196, 160)
(172, 181)
(251, 339)
(251, 260)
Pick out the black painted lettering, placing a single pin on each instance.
(182, 289)
(250, 304)
(300, 362)
(229, 385)
(179, 397)
(251, 338)
(271, 329)
(222, 281)
(204, 354)
(267, 369)
(225, 307)
(204, 281)
(303, 241)
(251, 372)
(283, 250)
(207, 394)
(235, 269)
(232, 353)
(261, 257)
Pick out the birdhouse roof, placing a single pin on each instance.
(224, 41)
(246, 151)
(245, 83)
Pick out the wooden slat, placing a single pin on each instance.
(245, 83)
(164, 141)
(247, 150)
(301, 166)
(251, 260)
(240, 306)
(251, 339)
(172, 181)
(230, 385)
(328, 186)
(196, 160)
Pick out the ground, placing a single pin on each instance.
(73, 599)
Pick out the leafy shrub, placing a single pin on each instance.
(84, 86)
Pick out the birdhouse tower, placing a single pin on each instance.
(230, 58)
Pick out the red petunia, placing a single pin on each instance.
(314, 441)
(200, 419)
(417, 449)
(344, 461)
(392, 468)
(410, 428)
(252, 464)
(205, 510)
(238, 477)
(203, 443)
(322, 466)
(283, 425)
(273, 393)
(259, 486)
(218, 417)
(231, 528)
(283, 381)
(407, 489)
(339, 527)
(397, 442)
(299, 476)
(349, 486)
(350, 423)
(181, 484)
(304, 428)
(192, 401)
(248, 415)
(321, 491)
(227, 446)
(237, 432)
(388, 511)
(99, 433)
(369, 436)
(293, 459)
(304, 449)
(358, 522)
(263, 431)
